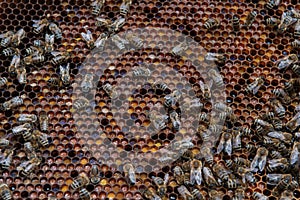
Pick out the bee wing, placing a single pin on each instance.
(3, 35)
(255, 89)
(254, 163)
(132, 175)
(276, 134)
(94, 3)
(56, 53)
(166, 179)
(221, 145)
(49, 38)
(228, 146)
(36, 23)
(295, 155)
(273, 179)
(202, 85)
(262, 163)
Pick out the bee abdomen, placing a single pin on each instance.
(3, 81)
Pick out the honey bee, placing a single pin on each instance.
(102, 22)
(282, 136)
(272, 21)
(259, 160)
(179, 49)
(272, 3)
(289, 87)
(120, 42)
(296, 44)
(216, 77)
(21, 75)
(277, 164)
(117, 25)
(280, 93)
(130, 173)
(54, 81)
(17, 37)
(6, 160)
(259, 196)
(286, 195)
(295, 155)
(207, 155)
(124, 8)
(40, 25)
(26, 168)
(183, 191)
(245, 131)
(81, 181)
(216, 57)
(59, 57)
(97, 6)
(239, 194)
(87, 83)
(150, 194)
(6, 38)
(179, 175)
(286, 21)
(95, 175)
(232, 183)
(287, 61)
(237, 141)
(81, 103)
(196, 172)
(55, 30)
(49, 41)
(211, 23)
(278, 108)
(11, 51)
(141, 71)
(206, 89)
(33, 59)
(283, 184)
(250, 18)
(110, 90)
(251, 148)
(44, 121)
(84, 194)
(3, 81)
(170, 100)
(135, 41)
(34, 51)
(29, 150)
(18, 130)
(88, 38)
(221, 171)
(161, 184)
(4, 142)
(241, 161)
(161, 86)
(293, 123)
(27, 135)
(275, 154)
(197, 194)
(236, 23)
(30, 118)
(297, 30)
(182, 145)
(225, 143)
(158, 121)
(215, 195)
(5, 192)
(14, 65)
(209, 177)
(42, 138)
(12, 103)
(255, 85)
(100, 42)
(296, 69)
(246, 174)
(65, 74)
(174, 117)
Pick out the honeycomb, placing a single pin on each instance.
(73, 149)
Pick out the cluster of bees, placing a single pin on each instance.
(31, 132)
